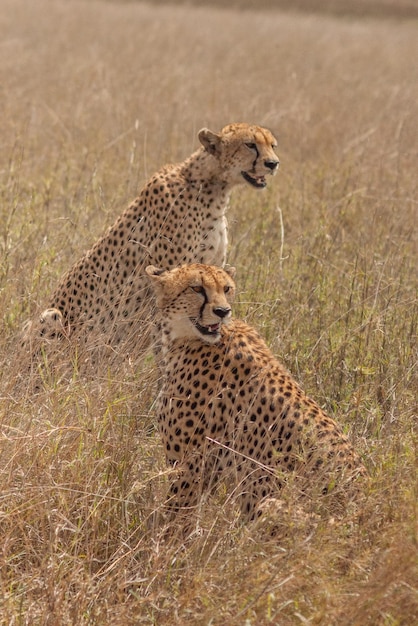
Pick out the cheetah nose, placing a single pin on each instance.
(222, 311)
(272, 165)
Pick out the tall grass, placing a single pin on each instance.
(94, 98)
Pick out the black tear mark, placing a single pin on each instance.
(256, 158)
(204, 303)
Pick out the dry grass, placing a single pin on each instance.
(95, 97)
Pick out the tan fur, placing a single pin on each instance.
(178, 217)
(227, 406)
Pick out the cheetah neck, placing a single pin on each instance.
(172, 345)
(203, 170)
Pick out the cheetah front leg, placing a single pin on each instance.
(254, 486)
(183, 495)
(40, 354)
(196, 476)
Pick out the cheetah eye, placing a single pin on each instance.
(198, 289)
(251, 146)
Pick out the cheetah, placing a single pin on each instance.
(228, 406)
(178, 217)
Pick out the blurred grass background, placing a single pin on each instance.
(358, 8)
(94, 97)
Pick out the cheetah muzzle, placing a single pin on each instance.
(213, 330)
(256, 181)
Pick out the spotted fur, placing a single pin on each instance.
(228, 406)
(178, 217)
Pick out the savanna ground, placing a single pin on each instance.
(95, 96)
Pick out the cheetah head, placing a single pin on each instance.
(194, 300)
(245, 153)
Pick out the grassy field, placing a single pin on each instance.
(95, 96)
(347, 8)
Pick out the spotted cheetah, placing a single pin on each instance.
(178, 217)
(227, 405)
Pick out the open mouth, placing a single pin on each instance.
(255, 181)
(209, 331)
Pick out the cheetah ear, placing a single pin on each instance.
(231, 271)
(158, 279)
(210, 141)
